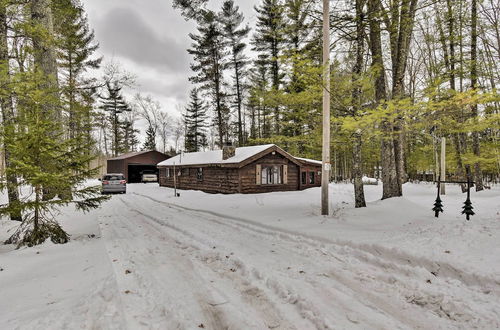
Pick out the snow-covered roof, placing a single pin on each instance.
(130, 154)
(214, 156)
(310, 160)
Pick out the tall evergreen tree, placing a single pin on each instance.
(130, 139)
(7, 111)
(42, 37)
(298, 31)
(44, 158)
(259, 85)
(76, 46)
(44, 52)
(114, 104)
(297, 34)
(150, 142)
(195, 121)
(210, 62)
(235, 34)
(268, 41)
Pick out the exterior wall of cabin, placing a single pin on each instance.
(250, 178)
(305, 172)
(214, 179)
(246, 180)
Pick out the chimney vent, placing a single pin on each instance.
(228, 150)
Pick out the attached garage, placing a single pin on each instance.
(133, 164)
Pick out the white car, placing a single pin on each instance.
(149, 177)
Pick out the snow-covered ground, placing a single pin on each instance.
(149, 260)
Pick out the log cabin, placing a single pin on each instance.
(254, 169)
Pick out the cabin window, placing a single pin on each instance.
(303, 178)
(311, 177)
(167, 173)
(272, 174)
(199, 174)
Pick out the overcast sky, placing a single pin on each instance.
(149, 39)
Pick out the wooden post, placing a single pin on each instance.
(325, 177)
(442, 170)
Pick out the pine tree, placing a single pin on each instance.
(268, 41)
(258, 94)
(296, 32)
(114, 104)
(234, 34)
(195, 121)
(76, 46)
(40, 31)
(7, 111)
(130, 139)
(210, 62)
(44, 158)
(191, 9)
(150, 143)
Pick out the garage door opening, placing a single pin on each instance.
(135, 172)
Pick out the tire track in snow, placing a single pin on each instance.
(255, 298)
(147, 284)
(307, 308)
(413, 293)
(372, 253)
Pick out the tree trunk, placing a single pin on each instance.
(451, 30)
(239, 102)
(400, 46)
(389, 174)
(44, 55)
(7, 107)
(478, 177)
(359, 195)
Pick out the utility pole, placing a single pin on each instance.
(442, 170)
(325, 177)
(175, 182)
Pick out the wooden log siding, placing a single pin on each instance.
(251, 175)
(214, 180)
(231, 178)
(317, 176)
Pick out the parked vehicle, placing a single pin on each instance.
(114, 183)
(149, 176)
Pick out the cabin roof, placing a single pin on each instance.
(241, 157)
(312, 161)
(214, 156)
(130, 155)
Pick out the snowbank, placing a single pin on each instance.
(151, 260)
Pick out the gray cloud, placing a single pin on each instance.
(124, 33)
(177, 88)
